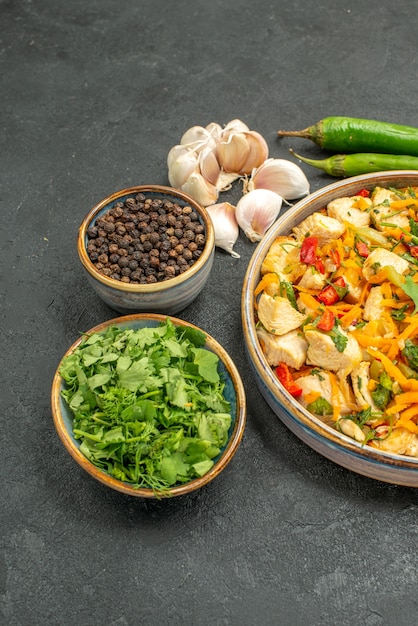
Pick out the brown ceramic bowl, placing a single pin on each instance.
(233, 392)
(325, 439)
(168, 296)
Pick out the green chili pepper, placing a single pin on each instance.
(343, 165)
(350, 134)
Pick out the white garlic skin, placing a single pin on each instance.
(197, 137)
(281, 176)
(256, 211)
(200, 189)
(181, 163)
(225, 226)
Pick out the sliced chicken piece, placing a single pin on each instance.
(312, 279)
(351, 429)
(283, 259)
(360, 380)
(380, 258)
(321, 226)
(382, 213)
(373, 305)
(374, 310)
(385, 218)
(400, 441)
(323, 352)
(381, 194)
(344, 210)
(277, 315)
(354, 290)
(290, 348)
(319, 383)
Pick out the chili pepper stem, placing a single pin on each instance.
(323, 164)
(305, 133)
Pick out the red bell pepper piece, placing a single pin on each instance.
(308, 250)
(326, 321)
(365, 193)
(414, 251)
(362, 249)
(285, 377)
(308, 254)
(329, 295)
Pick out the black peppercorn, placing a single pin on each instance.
(92, 232)
(144, 240)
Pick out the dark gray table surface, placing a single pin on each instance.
(93, 95)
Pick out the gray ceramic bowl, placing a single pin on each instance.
(233, 392)
(324, 439)
(169, 296)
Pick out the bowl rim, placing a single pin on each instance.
(296, 411)
(194, 484)
(152, 287)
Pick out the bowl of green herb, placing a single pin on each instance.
(149, 405)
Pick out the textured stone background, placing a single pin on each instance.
(93, 95)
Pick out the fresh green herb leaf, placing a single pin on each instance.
(320, 406)
(286, 291)
(338, 339)
(399, 314)
(148, 405)
(410, 352)
(411, 290)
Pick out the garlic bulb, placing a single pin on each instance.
(209, 159)
(225, 226)
(256, 211)
(200, 189)
(281, 176)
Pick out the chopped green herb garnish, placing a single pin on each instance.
(148, 404)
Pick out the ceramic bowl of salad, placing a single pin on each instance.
(329, 307)
(149, 405)
(148, 248)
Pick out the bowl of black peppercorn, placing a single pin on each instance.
(148, 248)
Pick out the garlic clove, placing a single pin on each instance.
(236, 126)
(258, 153)
(232, 152)
(199, 188)
(225, 226)
(197, 135)
(181, 165)
(209, 166)
(215, 130)
(281, 176)
(256, 211)
(175, 152)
